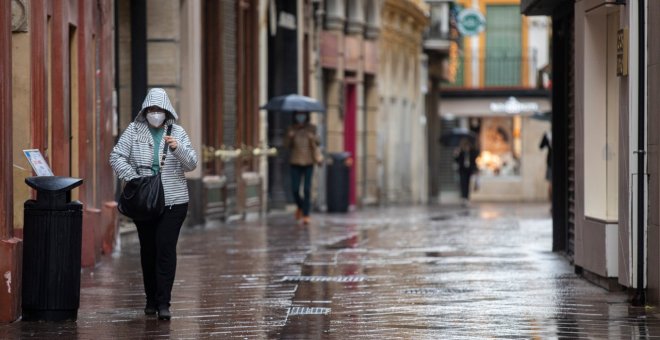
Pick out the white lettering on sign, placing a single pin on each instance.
(513, 106)
(287, 20)
(8, 281)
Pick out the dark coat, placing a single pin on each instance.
(471, 164)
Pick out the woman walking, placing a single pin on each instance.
(302, 142)
(139, 153)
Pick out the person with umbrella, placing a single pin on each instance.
(303, 143)
(466, 157)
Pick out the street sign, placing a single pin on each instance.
(471, 22)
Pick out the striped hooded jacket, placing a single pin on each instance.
(133, 154)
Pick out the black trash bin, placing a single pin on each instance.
(52, 238)
(338, 181)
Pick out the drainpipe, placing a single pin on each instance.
(640, 294)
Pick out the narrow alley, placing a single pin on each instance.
(396, 273)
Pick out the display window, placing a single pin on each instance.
(499, 142)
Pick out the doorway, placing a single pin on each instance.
(350, 136)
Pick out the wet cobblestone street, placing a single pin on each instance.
(397, 273)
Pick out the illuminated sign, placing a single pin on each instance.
(513, 106)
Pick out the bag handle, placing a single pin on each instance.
(165, 147)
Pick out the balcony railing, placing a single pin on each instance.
(493, 71)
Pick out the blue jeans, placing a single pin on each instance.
(297, 173)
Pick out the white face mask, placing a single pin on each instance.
(301, 118)
(156, 119)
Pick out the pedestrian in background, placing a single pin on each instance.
(546, 142)
(302, 142)
(138, 153)
(466, 158)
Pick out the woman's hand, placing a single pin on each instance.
(171, 141)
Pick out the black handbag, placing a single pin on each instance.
(143, 198)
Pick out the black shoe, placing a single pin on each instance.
(150, 310)
(164, 313)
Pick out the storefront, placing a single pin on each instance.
(507, 132)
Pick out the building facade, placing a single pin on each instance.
(347, 78)
(207, 56)
(401, 129)
(499, 93)
(57, 90)
(608, 221)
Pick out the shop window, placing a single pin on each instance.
(500, 145)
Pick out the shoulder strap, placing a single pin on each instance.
(165, 147)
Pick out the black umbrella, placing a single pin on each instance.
(454, 137)
(294, 103)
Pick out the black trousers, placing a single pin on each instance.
(465, 182)
(303, 173)
(158, 239)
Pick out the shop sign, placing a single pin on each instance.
(471, 22)
(622, 52)
(513, 106)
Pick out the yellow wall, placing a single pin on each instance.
(21, 121)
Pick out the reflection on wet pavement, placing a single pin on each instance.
(401, 273)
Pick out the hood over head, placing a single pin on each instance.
(158, 97)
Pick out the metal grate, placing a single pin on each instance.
(300, 278)
(435, 291)
(308, 311)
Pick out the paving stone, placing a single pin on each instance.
(391, 273)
